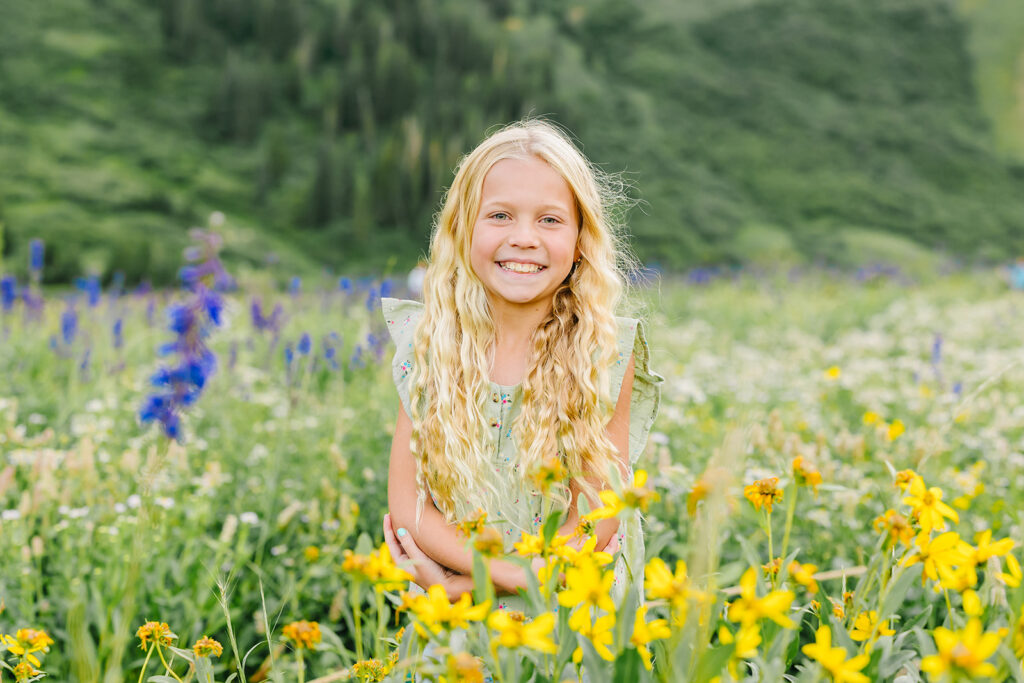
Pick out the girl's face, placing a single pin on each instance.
(524, 237)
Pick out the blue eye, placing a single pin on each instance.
(500, 215)
(551, 220)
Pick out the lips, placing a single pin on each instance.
(517, 267)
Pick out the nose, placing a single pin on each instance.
(523, 234)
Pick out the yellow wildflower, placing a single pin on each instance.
(772, 568)
(746, 638)
(972, 604)
(207, 647)
(588, 585)
(303, 634)
(896, 526)
(962, 652)
(698, 493)
(833, 659)
(986, 548)
(662, 584)
(903, 479)
(377, 567)
(311, 553)
(371, 670)
(749, 609)
(599, 632)
(586, 554)
(763, 493)
(532, 634)
(156, 632)
(895, 430)
(473, 524)
(435, 611)
(959, 579)
(644, 632)
(1013, 578)
(27, 641)
(25, 671)
(946, 551)
(637, 496)
(489, 542)
(833, 373)
(867, 627)
(871, 417)
(549, 473)
(928, 507)
(804, 474)
(804, 575)
(465, 668)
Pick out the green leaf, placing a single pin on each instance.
(483, 589)
(551, 525)
(629, 667)
(898, 590)
(713, 661)
(187, 655)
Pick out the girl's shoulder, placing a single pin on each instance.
(401, 317)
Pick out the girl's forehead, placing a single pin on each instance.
(524, 177)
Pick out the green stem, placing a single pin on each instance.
(146, 662)
(167, 667)
(354, 596)
(790, 514)
(771, 554)
(378, 644)
(302, 665)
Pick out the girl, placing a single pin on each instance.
(515, 364)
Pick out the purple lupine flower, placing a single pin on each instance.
(295, 286)
(372, 300)
(118, 336)
(36, 255)
(205, 265)
(958, 388)
(386, 288)
(331, 356)
(68, 325)
(8, 292)
(345, 284)
(263, 322)
(305, 344)
(179, 385)
(937, 350)
(356, 361)
(91, 286)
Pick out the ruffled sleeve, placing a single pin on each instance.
(643, 405)
(402, 316)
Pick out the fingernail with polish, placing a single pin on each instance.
(401, 532)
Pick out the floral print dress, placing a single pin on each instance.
(522, 508)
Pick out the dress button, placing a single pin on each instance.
(494, 397)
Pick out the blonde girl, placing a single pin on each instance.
(515, 363)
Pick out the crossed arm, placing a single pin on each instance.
(438, 549)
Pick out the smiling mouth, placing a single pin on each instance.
(514, 267)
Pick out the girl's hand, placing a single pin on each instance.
(426, 572)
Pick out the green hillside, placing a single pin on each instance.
(327, 129)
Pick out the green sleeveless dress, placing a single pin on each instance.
(522, 509)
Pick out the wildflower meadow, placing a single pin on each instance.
(192, 483)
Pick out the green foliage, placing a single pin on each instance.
(328, 130)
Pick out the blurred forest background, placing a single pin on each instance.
(765, 131)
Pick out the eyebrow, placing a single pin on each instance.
(494, 203)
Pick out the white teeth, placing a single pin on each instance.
(520, 267)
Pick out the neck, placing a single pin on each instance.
(513, 328)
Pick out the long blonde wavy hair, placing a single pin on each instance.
(567, 400)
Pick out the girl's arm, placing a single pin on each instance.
(443, 543)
